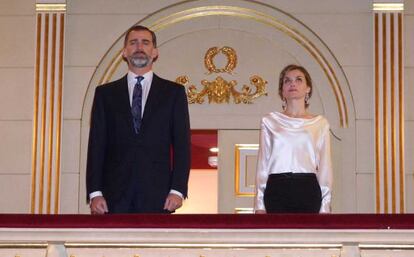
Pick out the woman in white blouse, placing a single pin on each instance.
(294, 170)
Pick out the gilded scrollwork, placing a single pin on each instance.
(192, 94)
(220, 90)
(246, 96)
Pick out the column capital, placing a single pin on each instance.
(50, 5)
(388, 5)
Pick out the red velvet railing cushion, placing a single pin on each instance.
(225, 221)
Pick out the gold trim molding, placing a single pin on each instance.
(212, 52)
(388, 6)
(25, 245)
(73, 244)
(32, 245)
(40, 7)
(389, 112)
(386, 246)
(257, 16)
(47, 115)
(201, 245)
(219, 90)
(244, 210)
(241, 151)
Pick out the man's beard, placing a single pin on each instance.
(141, 61)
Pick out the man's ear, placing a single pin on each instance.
(154, 54)
(124, 55)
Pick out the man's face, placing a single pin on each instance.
(139, 49)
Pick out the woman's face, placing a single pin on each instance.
(295, 85)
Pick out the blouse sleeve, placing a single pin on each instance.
(262, 171)
(324, 174)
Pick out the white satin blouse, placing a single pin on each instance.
(294, 145)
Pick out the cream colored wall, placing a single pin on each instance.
(16, 103)
(93, 26)
(409, 103)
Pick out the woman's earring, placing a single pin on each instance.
(307, 98)
(284, 104)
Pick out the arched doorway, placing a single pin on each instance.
(265, 39)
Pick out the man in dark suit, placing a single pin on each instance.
(139, 140)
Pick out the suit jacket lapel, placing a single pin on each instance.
(153, 99)
(122, 96)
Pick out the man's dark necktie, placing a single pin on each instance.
(136, 106)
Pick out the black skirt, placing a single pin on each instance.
(292, 193)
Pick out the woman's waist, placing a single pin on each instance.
(290, 174)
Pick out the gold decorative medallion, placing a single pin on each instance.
(220, 90)
(228, 52)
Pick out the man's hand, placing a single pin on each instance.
(260, 212)
(98, 205)
(173, 202)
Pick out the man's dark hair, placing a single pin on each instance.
(141, 28)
